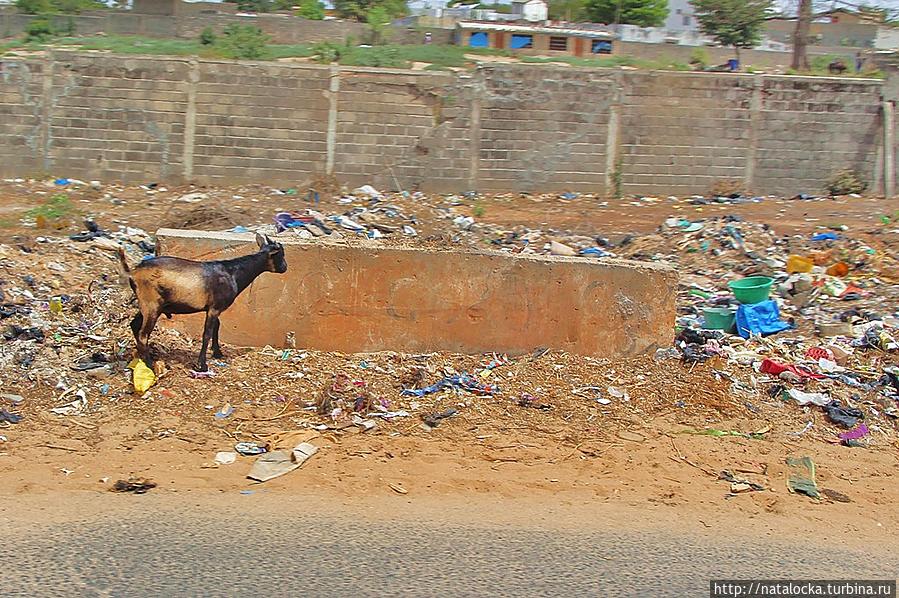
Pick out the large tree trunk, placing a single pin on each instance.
(800, 36)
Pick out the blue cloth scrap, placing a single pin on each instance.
(760, 318)
(825, 237)
(463, 381)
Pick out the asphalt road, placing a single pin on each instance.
(231, 550)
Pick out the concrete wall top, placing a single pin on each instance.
(358, 296)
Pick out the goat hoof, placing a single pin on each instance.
(218, 355)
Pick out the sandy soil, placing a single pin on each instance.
(575, 451)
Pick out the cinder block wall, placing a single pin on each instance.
(500, 128)
(361, 296)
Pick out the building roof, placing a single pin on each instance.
(511, 28)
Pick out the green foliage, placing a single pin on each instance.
(255, 5)
(821, 62)
(207, 36)
(645, 13)
(478, 210)
(736, 23)
(844, 182)
(39, 30)
(311, 9)
(56, 207)
(377, 20)
(328, 52)
(243, 41)
(34, 7)
(699, 57)
(568, 10)
(359, 9)
(39, 7)
(382, 56)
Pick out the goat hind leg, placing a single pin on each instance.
(143, 341)
(216, 348)
(207, 334)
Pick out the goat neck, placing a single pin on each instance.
(245, 269)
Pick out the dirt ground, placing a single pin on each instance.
(543, 435)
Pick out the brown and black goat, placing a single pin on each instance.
(170, 285)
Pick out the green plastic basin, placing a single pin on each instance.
(754, 289)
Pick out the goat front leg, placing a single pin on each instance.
(143, 337)
(216, 348)
(207, 335)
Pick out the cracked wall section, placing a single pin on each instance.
(22, 136)
(542, 132)
(399, 128)
(117, 119)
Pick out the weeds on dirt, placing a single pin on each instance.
(55, 208)
(844, 182)
(479, 210)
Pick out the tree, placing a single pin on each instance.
(243, 41)
(39, 7)
(737, 23)
(377, 19)
(358, 9)
(311, 9)
(800, 36)
(567, 10)
(645, 13)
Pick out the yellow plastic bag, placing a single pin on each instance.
(143, 377)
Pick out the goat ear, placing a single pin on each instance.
(260, 240)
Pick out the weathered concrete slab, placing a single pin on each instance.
(356, 296)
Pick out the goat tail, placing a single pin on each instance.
(125, 268)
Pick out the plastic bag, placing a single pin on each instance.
(143, 377)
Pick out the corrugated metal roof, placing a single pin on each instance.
(570, 32)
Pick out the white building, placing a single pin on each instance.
(530, 10)
(887, 38)
(681, 16)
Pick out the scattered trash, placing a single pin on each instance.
(75, 407)
(854, 434)
(133, 485)
(225, 411)
(225, 457)
(397, 488)
(529, 400)
(738, 485)
(7, 417)
(804, 398)
(844, 416)
(834, 495)
(433, 420)
(801, 477)
(277, 463)
(249, 448)
(143, 377)
(617, 393)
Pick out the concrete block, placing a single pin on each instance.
(357, 296)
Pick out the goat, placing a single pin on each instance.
(170, 285)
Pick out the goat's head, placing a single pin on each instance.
(274, 252)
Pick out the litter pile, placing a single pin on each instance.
(801, 330)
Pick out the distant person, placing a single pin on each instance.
(859, 61)
(428, 38)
